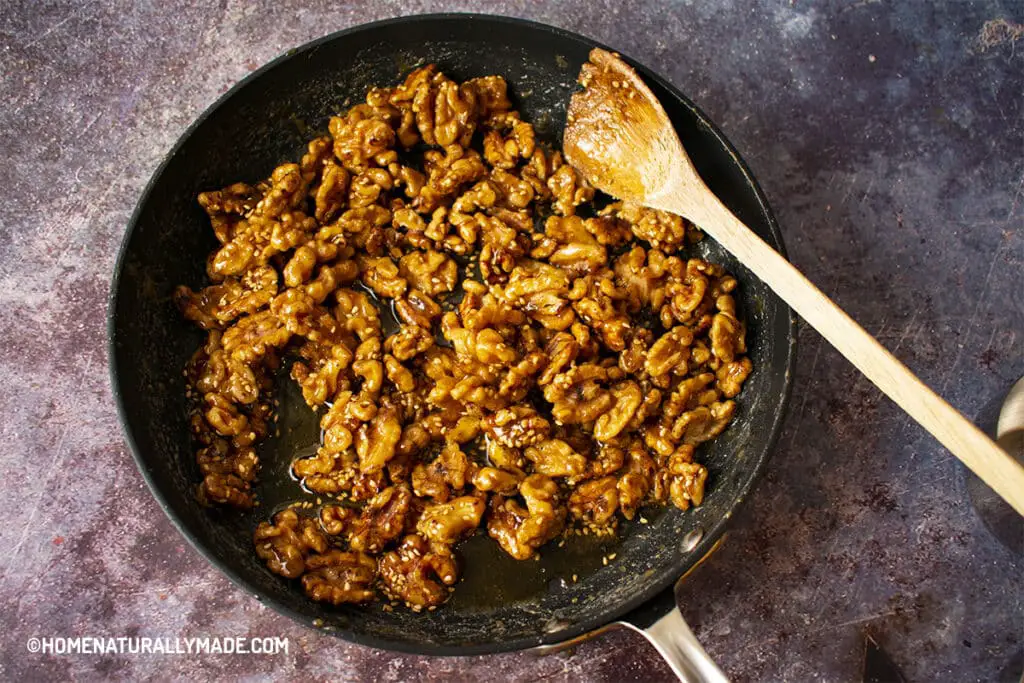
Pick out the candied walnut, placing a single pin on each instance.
(520, 378)
(382, 276)
(504, 457)
(447, 173)
(375, 442)
(213, 306)
(505, 151)
(561, 351)
(609, 460)
(340, 577)
(409, 342)
(487, 345)
(521, 530)
(356, 313)
(483, 195)
(478, 311)
(516, 427)
(577, 395)
(285, 544)
(360, 136)
(318, 153)
(608, 231)
(287, 191)
(690, 393)
(731, 376)
(556, 458)
(455, 113)
(682, 480)
(369, 368)
(704, 422)
(594, 300)
(466, 429)
(595, 502)
(417, 572)
(445, 112)
(273, 226)
(416, 308)
(212, 370)
(222, 458)
(726, 336)
(382, 520)
(648, 406)
(226, 208)
(449, 471)
(644, 286)
(368, 187)
(515, 194)
(326, 472)
(638, 479)
(329, 197)
(627, 397)
(324, 357)
(224, 416)
(446, 523)
(348, 412)
(304, 260)
(684, 294)
(492, 95)
(430, 272)
(569, 189)
(669, 355)
(661, 229)
(538, 169)
(398, 374)
(225, 489)
(492, 479)
(567, 244)
(541, 291)
(502, 246)
(335, 519)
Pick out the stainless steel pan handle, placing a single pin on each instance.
(669, 634)
(673, 639)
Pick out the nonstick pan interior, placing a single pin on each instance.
(502, 604)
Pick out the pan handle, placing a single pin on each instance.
(672, 638)
(662, 624)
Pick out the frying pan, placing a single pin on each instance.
(501, 604)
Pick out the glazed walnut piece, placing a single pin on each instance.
(285, 544)
(417, 572)
(382, 520)
(338, 577)
(516, 427)
(481, 348)
(214, 306)
(446, 523)
(521, 530)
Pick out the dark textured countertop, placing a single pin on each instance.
(890, 142)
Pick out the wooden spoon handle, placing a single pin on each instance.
(995, 467)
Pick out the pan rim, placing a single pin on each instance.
(656, 587)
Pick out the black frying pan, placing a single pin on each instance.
(502, 604)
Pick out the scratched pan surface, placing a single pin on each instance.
(501, 604)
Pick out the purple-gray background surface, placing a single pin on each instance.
(889, 140)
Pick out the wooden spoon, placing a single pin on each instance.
(619, 137)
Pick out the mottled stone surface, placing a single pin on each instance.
(889, 141)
